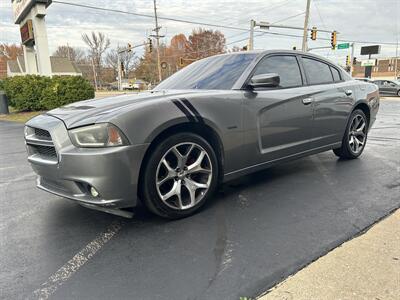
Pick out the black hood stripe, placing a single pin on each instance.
(183, 109)
(193, 109)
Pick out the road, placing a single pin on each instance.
(256, 231)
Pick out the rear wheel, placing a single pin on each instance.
(355, 136)
(180, 176)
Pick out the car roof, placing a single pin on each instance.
(278, 51)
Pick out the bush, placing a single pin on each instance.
(24, 92)
(33, 92)
(64, 90)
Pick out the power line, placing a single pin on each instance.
(204, 23)
(148, 16)
(288, 18)
(269, 8)
(167, 18)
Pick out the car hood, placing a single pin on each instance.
(89, 111)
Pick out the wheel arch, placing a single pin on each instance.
(202, 129)
(365, 109)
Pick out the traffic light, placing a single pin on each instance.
(150, 45)
(294, 48)
(129, 47)
(181, 61)
(333, 39)
(122, 69)
(354, 61)
(348, 60)
(314, 33)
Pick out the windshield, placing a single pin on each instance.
(213, 73)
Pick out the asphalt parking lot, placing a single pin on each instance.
(255, 232)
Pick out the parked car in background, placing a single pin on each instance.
(388, 87)
(365, 79)
(215, 120)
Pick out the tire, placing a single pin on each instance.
(398, 93)
(181, 175)
(355, 136)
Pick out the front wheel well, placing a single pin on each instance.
(203, 130)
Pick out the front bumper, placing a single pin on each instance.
(113, 172)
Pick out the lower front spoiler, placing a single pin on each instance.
(82, 199)
(114, 211)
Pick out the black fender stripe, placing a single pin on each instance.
(183, 109)
(193, 110)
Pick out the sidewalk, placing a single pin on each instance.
(367, 267)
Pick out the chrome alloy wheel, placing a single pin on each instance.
(183, 175)
(357, 134)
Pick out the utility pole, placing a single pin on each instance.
(119, 72)
(250, 46)
(352, 59)
(396, 58)
(305, 32)
(157, 36)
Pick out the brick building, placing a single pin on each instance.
(3, 67)
(383, 70)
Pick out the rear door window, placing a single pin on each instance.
(317, 72)
(336, 74)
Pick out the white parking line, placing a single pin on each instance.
(75, 263)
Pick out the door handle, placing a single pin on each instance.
(307, 101)
(348, 92)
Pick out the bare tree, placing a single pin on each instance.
(10, 51)
(98, 44)
(74, 54)
(127, 59)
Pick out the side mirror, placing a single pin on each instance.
(265, 80)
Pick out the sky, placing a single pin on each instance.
(355, 20)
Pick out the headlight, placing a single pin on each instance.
(28, 131)
(98, 136)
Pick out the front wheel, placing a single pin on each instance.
(181, 174)
(355, 136)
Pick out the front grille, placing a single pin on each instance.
(42, 134)
(40, 146)
(45, 151)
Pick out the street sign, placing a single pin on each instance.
(368, 50)
(343, 46)
(368, 63)
(21, 8)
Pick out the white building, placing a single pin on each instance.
(60, 66)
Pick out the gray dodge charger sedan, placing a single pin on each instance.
(219, 118)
